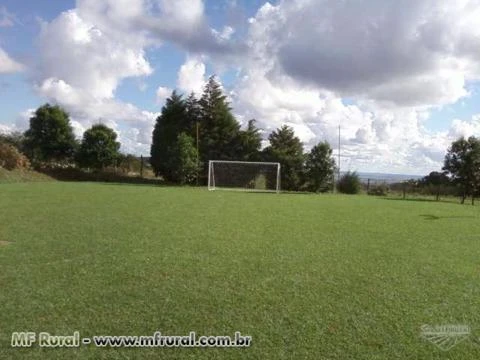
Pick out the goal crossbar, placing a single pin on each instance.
(258, 176)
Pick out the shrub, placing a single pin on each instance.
(349, 183)
(15, 139)
(11, 158)
(378, 190)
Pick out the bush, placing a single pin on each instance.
(378, 190)
(11, 158)
(349, 183)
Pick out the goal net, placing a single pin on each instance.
(243, 175)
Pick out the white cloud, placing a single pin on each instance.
(463, 128)
(162, 94)
(23, 119)
(5, 129)
(417, 52)
(191, 76)
(183, 14)
(7, 64)
(7, 19)
(225, 34)
(82, 55)
(81, 64)
(21, 122)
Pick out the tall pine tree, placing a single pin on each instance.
(249, 143)
(287, 149)
(219, 130)
(172, 121)
(194, 113)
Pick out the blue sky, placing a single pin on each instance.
(401, 80)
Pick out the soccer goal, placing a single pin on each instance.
(243, 175)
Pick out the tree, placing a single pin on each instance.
(349, 183)
(462, 162)
(287, 149)
(50, 137)
(184, 160)
(320, 168)
(172, 121)
(194, 114)
(435, 183)
(219, 130)
(99, 147)
(249, 143)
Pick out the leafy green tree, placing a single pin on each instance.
(320, 168)
(172, 121)
(194, 114)
(219, 130)
(50, 137)
(287, 149)
(462, 163)
(249, 142)
(99, 147)
(349, 183)
(435, 183)
(184, 160)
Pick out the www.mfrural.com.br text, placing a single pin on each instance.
(46, 340)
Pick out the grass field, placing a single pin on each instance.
(307, 276)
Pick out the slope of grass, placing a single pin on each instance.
(307, 276)
(21, 175)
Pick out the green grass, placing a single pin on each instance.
(307, 276)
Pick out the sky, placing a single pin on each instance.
(400, 78)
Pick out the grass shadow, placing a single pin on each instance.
(159, 184)
(448, 201)
(436, 217)
(78, 175)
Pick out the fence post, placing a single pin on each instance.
(368, 185)
(141, 166)
(404, 190)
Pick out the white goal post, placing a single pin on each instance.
(244, 175)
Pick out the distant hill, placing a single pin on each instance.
(386, 177)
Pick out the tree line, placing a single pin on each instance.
(189, 132)
(50, 142)
(460, 174)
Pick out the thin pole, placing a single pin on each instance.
(198, 163)
(209, 175)
(278, 178)
(141, 166)
(339, 152)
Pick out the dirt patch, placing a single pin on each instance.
(4, 243)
